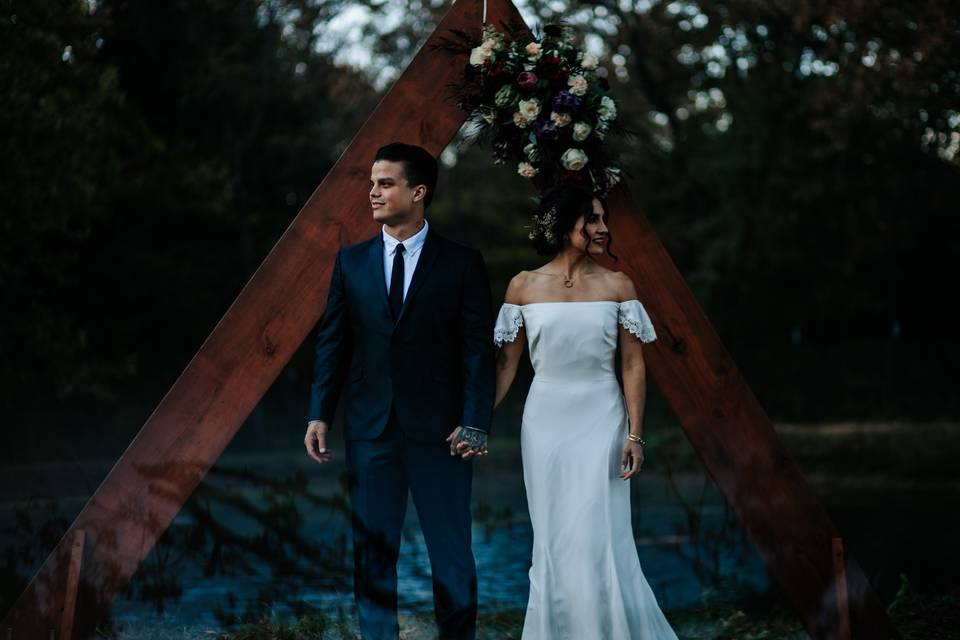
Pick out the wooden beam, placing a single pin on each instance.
(248, 348)
(72, 586)
(840, 588)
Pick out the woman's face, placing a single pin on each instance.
(590, 233)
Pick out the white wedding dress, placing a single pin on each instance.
(585, 579)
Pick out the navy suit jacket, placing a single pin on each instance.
(434, 365)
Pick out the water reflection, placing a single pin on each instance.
(691, 548)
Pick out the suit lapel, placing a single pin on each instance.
(428, 254)
(378, 280)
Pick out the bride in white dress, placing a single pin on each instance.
(581, 437)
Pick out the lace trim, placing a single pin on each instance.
(634, 319)
(508, 324)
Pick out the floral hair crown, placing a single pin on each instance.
(543, 225)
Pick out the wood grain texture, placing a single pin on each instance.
(246, 351)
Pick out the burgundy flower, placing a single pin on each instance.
(527, 80)
(572, 176)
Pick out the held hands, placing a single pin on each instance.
(467, 442)
(631, 460)
(316, 441)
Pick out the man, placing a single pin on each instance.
(407, 336)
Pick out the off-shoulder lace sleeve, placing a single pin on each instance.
(508, 324)
(634, 319)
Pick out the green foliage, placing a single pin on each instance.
(152, 154)
(799, 164)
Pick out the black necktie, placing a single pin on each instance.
(396, 283)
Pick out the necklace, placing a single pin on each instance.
(567, 280)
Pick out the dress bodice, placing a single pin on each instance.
(573, 340)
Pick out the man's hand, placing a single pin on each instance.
(467, 442)
(316, 441)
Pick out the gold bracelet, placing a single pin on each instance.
(637, 439)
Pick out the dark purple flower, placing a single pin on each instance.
(566, 101)
(546, 130)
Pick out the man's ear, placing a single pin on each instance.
(419, 193)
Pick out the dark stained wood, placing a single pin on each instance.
(73, 585)
(736, 441)
(840, 582)
(283, 300)
(247, 349)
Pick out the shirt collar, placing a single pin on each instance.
(411, 245)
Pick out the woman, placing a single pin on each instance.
(581, 437)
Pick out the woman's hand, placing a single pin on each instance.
(631, 460)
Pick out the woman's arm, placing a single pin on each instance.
(633, 371)
(510, 353)
(507, 361)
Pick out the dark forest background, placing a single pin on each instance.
(800, 160)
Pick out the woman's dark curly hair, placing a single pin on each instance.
(557, 214)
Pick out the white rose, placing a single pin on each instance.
(581, 131)
(573, 159)
(560, 119)
(477, 56)
(578, 85)
(589, 61)
(526, 169)
(519, 120)
(608, 108)
(530, 109)
(533, 51)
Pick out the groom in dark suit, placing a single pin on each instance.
(407, 337)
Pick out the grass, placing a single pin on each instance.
(916, 616)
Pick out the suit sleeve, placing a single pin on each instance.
(332, 351)
(478, 352)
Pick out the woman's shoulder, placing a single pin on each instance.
(621, 286)
(517, 287)
(614, 285)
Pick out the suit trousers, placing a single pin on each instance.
(381, 474)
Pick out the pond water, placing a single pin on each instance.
(684, 562)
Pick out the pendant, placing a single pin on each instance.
(568, 284)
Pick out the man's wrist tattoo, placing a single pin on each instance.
(476, 439)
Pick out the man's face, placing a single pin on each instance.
(393, 200)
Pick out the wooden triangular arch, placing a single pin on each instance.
(283, 300)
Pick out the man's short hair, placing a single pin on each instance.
(419, 167)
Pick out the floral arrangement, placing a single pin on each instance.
(539, 102)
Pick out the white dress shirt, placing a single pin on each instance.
(411, 255)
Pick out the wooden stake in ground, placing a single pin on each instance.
(283, 300)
